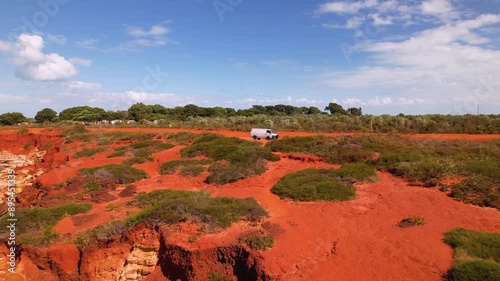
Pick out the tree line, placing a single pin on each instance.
(334, 118)
(141, 111)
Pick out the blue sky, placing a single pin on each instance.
(414, 57)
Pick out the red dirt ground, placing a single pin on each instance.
(355, 240)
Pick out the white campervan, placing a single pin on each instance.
(268, 134)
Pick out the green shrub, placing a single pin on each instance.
(216, 276)
(41, 237)
(22, 130)
(357, 171)
(137, 160)
(87, 152)
(183, 138)
(477, 190)
(173, 206)
(103, 233)
(92, 186)
(36, 219)
(411, 221)
(123, 173)
(244, 158)
(117, 153)
(334, 150)
(192, 171)
(477, 255)
(313, 185)
(430, 168)
(74, 130)
(173, 166)
(260, 243)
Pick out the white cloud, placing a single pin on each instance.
(77, 85)
(32, 64)
(83, 62)
(155, 30)
(345, 7)
(88, 44)
(153, 37)
(5, 46)
(278, 63)
(58, 39)
(439, 8)
(443, 63)
(288, 100)
(23, 99)
(390, 12)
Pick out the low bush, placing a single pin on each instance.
(338, 150)
(117, 153)
(192, 171)
(183, 138)
(411, 221)
(123, 173)
(37, 219)
(216, 276)
(357, 171)
(477, 190)
(92, 186)
(430, 168)
(244, 158)
(41, 238)
(260, 243)
(169, 206)
(314, 185)
(477, 255)
(87, 152)
(101, 234)
(137, 160)
(173, 166)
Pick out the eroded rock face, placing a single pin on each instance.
(140, 264)
(24, 177)
(144, 254)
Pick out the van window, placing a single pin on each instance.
(268, 131)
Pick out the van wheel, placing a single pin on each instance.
(254, 137)
(268, 138)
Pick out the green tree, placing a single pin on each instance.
(11, 118)
(79, 112)
(45, 115)
(335, 108)
(140, 111)
(355, 111)
(312, 111)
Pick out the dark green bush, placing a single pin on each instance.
(313, 185)
(411, 221)
(103, 233)
(357, 171)
(192, 171)
(183, 138)
(244, 158)
(92, 186)
(169, 206)
(87, 152)
(171, 167)
(341, 150)
(36, 219)
(477, 190)
(477, 255)
(123, 173)
(137, 160)
(260, 243)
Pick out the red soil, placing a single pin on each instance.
(355, 240)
